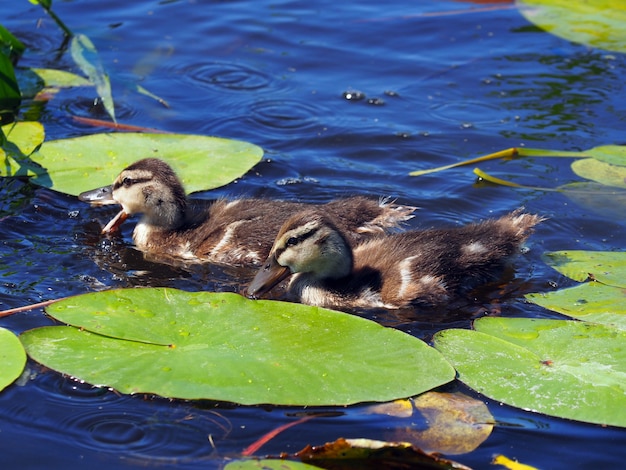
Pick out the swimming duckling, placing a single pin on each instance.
(237, 232)
(394, 271)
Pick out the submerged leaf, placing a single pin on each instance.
(225, 347)
(608, 267)
(397, 408)
(78, 164)
(568, 369)
(12, 358)
(591, 301)
(86, 57)
(456, 424)
(609, 202)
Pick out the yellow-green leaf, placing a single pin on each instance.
(222, 346)
(608, 267)
(592, 301)
(600, 172)
(598, 23)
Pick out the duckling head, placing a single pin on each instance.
(309, 245)
(148, 187)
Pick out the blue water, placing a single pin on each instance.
(442, 81)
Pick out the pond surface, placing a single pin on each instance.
(443, 81)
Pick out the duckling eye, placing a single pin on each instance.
(292, 241)
(127, 182)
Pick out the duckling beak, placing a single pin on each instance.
(115, 222)
(102, 197)
(99, 196)
(267, 277)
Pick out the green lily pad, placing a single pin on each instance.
(222, 346)
(12, 357)
(22, 140)
(591, 301)
(33, 80)
(598, 24)
(568, 369)
(608, 267)
(82, 163)
(614, 154)
(600, 172)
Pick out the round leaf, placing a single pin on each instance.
(223, 346)
(82, 163)
(615, 154)
(598, 24)
(12, 358)
(591, 301)
(600, 172)
(457, 424)
(567, 369)
(22, 139)
(608, 267)
(33, 80)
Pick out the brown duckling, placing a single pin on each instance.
(233, 232)
(394, 271)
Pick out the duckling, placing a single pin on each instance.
(393, 271)
(238, 232)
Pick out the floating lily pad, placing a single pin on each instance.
(591, 301)
(568, 369)
(598, 24)
(608, 267)
(12, 357)
(223, 346)
(82, 163)
(33, 80)
(22, 140)
(614, 154)
(600, 172)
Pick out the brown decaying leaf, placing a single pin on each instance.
(457, 424)
(367, 454)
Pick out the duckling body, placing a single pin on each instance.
(394, 271)
(236, 232)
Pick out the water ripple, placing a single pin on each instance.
(285, 114)
(228, 76)
(466, 113)
(142, 434)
